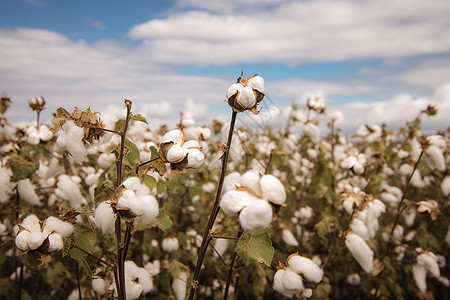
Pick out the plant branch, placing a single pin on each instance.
(93, 256)
(145, 162)
(230, 269)
(213, 215)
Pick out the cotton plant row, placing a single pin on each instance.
(136, 209)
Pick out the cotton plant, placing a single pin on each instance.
(426, 263)
(251, 196)
(246, 94)
(296, 277)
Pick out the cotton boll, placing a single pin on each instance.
(31, 223)
(233, 89)
(6, 186)
(221, 245)
(105, 160)
(409, 214)
(420, 277)
(35, 239)
(272, 189)
(233, 202)
(397, 235)
(55, 242)
(429, 261)
(175, 154)
(313, 132)
(360, 251)
(247, 98)
(45, 134)
(104, 217)
(250, 179)
(256, 216)
(195, 158)
(288, 238)
(67, 189)
(434, 158)
(170, 244)
(307, 267)
(99, 285)
(353, 279)
(256, 83)
(73, 141)
(52, 224)
(445, 186)
(279, 286)
(179, 286)
(291, 280)
(22, 240)
(27, 192)
(230, 182)
(307, 293)
(153, 267)
(359, 228)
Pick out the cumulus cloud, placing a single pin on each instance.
(293, 32)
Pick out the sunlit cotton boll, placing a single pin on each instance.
(434, 158)
(305, 266)
(278, 284)
(72, 139)
(27, 192)
(256, 216)
(104, 217)
(170, 244)
(360, 251)
(67, 189)
(179, 286)
(137, 281)
(35, 135)
(312, 131)
(289, 238)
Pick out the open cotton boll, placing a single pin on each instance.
(250, 179)
(45, 134)
(307, 267)
(234, 201)
(398, 232)
(359, 228)
(279, 286)
(105, 160)
(256, 216)
(52, 224)
(195, 158)
(434, 158)
(27, 192)
(420, 277)
(144, 206)
(288, 238)
(100, 285)
(6, 186)
(67, 189)
(272, 189)
(247, 98)
(170, 244)
(291, 280)
(137, 281)
(429, 261)
(153, 267)
(104, 217)
(22, 240)
(231, 181)
(175, 154)
(179, 286)
(360, 251)
(312, 131)
(257, 83)
(72, 140)
(31, 223)
(35, 239)
(55, 242)
(445, 186)
(233, 89)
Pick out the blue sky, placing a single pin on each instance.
(177, 55)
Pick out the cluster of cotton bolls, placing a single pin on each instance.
(44, 238)
(297, 276)
(250, 195)
(427, 263)
(138, 281)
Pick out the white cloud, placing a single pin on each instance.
(298, 31)
(428, 74)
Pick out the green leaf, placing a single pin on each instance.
(104, 191)
(149, 181)
(21, 167)
(255, 247)
(131, 157)
(162, 221)
(120, 125)
(160, 187)
(140, 118)
(85, 239)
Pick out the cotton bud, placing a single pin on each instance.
(170, 244)
(179, 286)
(288, 238)
(360, 251)
(37, 104)
(246, 93)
